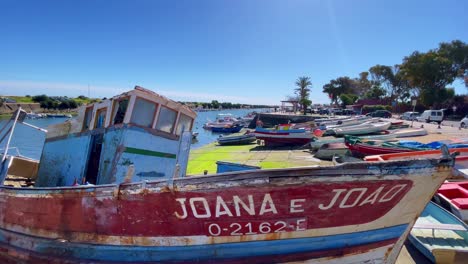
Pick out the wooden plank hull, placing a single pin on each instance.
(257, 216)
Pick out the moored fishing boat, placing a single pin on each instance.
(440, 236)
(140, 207)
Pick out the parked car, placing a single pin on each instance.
(464, 122)
(409, 116)
(380, 113)
(431, 116)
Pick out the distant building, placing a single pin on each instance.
(292, 106)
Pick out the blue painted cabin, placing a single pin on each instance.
(138, 135)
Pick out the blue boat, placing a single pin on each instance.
(227, 129)
(440, 235)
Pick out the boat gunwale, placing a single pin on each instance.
(379, 170)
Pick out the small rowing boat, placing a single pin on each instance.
(440, 236)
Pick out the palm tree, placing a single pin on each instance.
(303, 91)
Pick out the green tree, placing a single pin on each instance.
(215, 104)
(429, 73)
(457, 52)
(40, 98)
(376, 92)
(348, 99)
(337, 87)
(303, 91)
(362, 84)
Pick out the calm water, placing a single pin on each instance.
(30, 141)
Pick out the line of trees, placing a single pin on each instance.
(55, 102)
(214, 104)
(422, 75)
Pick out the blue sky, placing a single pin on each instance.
(242, 51)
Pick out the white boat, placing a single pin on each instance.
(350, 122)
(363, 129)
(327, 151)
(222, 120)
(316, 144)
(333, 123)
(409, 132)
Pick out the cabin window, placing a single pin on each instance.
(119, 109)
(87, 118)
(101, 117)
(185, 122)
(143, 112)
(166, 120)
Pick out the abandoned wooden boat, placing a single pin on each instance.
(111, 188)
(453, 196)
(440, 236)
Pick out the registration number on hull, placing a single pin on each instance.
(241, 228)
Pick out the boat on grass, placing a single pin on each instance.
(453, 196)
(283, 136)
(440, 236)
(111, 187)
(244, 139)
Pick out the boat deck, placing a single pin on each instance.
(205, 158)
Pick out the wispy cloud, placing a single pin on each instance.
(23, 87)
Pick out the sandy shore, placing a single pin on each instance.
(438, 133)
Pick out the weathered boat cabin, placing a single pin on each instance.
(135, 136)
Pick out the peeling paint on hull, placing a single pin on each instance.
(354, 211)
